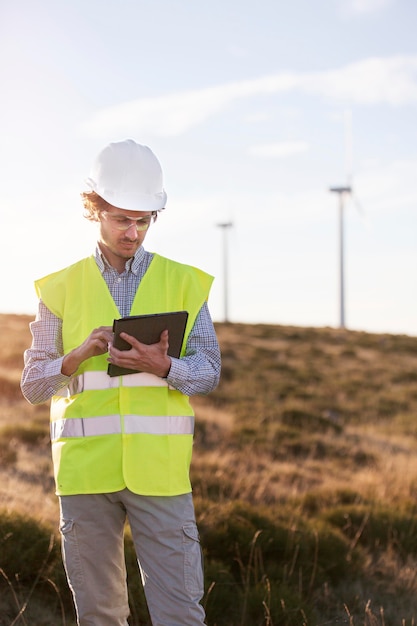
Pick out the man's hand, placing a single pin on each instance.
(96, 343)
(151, 358)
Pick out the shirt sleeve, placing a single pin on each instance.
(41, 376)
(198, 371)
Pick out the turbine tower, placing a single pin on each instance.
(225, 226)
(342, 192)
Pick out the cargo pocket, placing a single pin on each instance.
(193, 561)
(71, 554)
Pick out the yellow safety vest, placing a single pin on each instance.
(129, 431)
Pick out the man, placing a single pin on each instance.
(121, 446)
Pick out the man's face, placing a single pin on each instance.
(121, 233)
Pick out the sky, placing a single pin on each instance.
(254, 109)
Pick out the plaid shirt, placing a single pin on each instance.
(197, 372)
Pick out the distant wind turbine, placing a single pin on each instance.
(344, 191)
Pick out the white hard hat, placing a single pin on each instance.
(128, 176)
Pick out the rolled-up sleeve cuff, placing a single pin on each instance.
(54, 369)
(178, 373)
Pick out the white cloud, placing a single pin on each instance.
(361, 7)
(175, 113)
(279, 149)
(391, 80)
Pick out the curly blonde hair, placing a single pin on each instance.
(93, 205)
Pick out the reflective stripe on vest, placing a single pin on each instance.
(101, 380)
(133, 424)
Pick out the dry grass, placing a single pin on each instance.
(310, 409)
(310, 422)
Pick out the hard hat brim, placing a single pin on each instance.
(130, 201)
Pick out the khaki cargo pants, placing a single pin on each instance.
(167, 545)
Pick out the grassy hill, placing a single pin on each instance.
(304, 474)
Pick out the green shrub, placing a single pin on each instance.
(376, 527)
(32, 434)
(26, 545)
(212, 486)
(315, 501)
(32, 579)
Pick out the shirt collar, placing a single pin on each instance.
(132, 264)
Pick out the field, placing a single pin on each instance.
(304, 476)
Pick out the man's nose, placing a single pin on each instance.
(132, 230)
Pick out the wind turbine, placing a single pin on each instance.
(343, 191)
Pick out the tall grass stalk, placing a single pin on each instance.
(61, 604)
(15, 598)
(267, 604)
(351, 622)
(247, 576)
